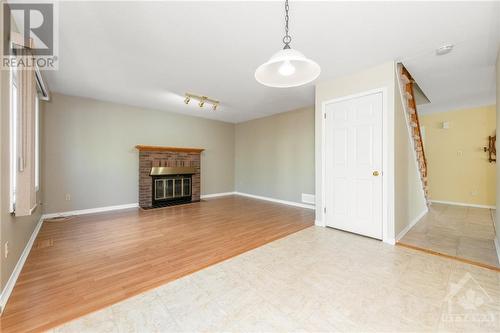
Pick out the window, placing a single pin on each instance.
(14, 138)
(37, 143)
(14, 113)
(24, 138)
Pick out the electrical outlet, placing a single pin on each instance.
(6, 249)
(474, 193)
(68, 197)
(460, 153)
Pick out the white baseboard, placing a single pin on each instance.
(216, 195)
(412, 223)
(90, 211)
(497, 247)
(319, 223)
(7, 290)
(285, 202)
(461, 204)
(390, 241)
(134, 205)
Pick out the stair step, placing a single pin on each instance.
(405, 79)
(408, 95)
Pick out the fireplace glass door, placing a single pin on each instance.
(169, 188)
(186, 187)
(172, 187)
(160, 189)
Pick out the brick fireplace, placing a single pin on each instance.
(168, 175)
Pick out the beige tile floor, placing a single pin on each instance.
(464, 232)
(316, 280)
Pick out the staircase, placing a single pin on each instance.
(406, 86)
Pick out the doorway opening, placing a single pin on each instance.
(460, 180)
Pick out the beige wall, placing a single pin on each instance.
(457, 151)
(275, 155)
(497, 219)
(405, 203)
(2, 106)
(381, 76)
(16, 231)
(89, 151)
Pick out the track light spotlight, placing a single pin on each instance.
(202, 101)
(214, 107)
(187, 100)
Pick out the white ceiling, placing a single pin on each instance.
(149, 54)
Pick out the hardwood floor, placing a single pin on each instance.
(88, 262)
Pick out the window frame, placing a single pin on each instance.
(13, 140)
(37, 143)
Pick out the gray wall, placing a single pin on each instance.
(14, 230)
(89, 151)
(275, 155)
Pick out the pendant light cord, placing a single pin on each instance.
(287, 39)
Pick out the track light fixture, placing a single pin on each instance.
(202, 100)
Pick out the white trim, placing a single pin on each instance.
(387, 161)
(390, 241)
(90, 211)
(284, 202)
(215, 195)
(135, 205)
(497, 247)
(462, 204)
(412, 223)
(4, 296)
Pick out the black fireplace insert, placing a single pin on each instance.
(171, 186)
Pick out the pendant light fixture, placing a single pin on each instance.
(287, 67)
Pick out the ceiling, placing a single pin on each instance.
(149, 54)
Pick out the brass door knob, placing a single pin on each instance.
(376, 173)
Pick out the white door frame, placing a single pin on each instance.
(387, 150)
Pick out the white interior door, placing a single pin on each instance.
(353, 173)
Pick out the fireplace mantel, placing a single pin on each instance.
(173, 149)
